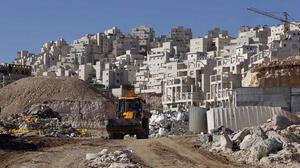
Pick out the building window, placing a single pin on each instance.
(294, 45)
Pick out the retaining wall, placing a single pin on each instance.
(241, 117)
(286, 98)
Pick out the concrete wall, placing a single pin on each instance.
(241, 117)
(286, 98)
(197, 119)
(295, 101)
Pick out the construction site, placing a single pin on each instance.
(122, 100)
(62, 122)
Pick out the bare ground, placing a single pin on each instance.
(154, 152)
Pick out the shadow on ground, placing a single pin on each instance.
(8, 142)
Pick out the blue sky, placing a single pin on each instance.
(27, 24)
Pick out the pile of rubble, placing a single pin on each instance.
(170, 123)
(38, 120)
(116, 159)
(273, 144)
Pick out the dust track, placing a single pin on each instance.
(161, 152)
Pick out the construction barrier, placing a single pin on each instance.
(197, 119)
(247, 116)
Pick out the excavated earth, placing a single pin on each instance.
(74, 99)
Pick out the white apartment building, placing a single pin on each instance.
(124, 42)
(277, 31)
(85, 50)
(114, 77)
(186, 83)
(145, 36)
(212, 43)
(104, 43)
(141, 79)
(86, 72)
(131, 61)
(232, 64)
(114, 31)
(281, 47)
(181, 35)
(156, 60)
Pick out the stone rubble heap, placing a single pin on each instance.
(38, 118)
(116, 159)
(170, 123)
(273, 144)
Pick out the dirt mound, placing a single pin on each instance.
(23, 93)
(284, 73)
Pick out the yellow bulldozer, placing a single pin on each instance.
(131, 118)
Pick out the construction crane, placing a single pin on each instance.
(283, 20)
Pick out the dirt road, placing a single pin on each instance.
(155, 152)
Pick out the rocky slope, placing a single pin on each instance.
(284, 73)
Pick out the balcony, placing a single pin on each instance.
(179, 81)
(219, 95)
(181, 97)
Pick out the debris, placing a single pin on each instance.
(259, 132)
(281, 122)
(116, 159)
(239, 137)
(263, 148)
(226, 143)
(39, 120)
(205, 138)
(250, 140)
(275, 143)
(169, 123)
(221, 129)
(90, 156)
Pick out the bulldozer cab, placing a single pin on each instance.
(130, 119)
(130, 107)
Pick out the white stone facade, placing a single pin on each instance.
(185, 71)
